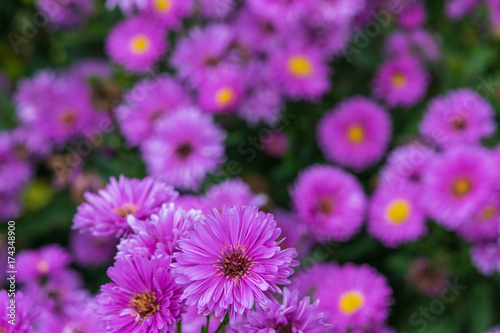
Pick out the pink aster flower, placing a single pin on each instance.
(413, 15)
(203, 53)
(90, 68)
(105, 213)
(11, 204)
(406, 165)
(330, 202)
(396, 215)
(460, 117)
(456, 9)
(300, 72)
(275, 144)
(355, 134)
(417, 43)
(292, 315)
(66, 14)
(46, 261)
(256, 33)
(88, 250)
(221, 93)
(353, 297)
(295, 233)
(15, 169)
(192, 322)
(279, 11)
(146, 103)
(184, 148)
(486, 257)
(457, 183)
(159, 234)
(142, 298)
(401, 82)
(494, 13)
(231, 261)
(169, 12)
(136, 43)
(23, 312)
(217, 9)
(484, 224)
(233, 192)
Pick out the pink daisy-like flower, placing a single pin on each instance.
(88, 250)
(233, 192)
(146, 103)
(184, 148)
(23, 313)
(355, 134)
(105, 213)
(142, 298)
(136, 43)
(406, 165)
(290, 316)
(457, 183)
(66, 14)
(418, 43)
(256, 33)
(330, 202)
(396, 215)
(413, 15)
(484, 224)
(281, 12)
(46, 261)
(203, 53)
(15, 169)
(221, 93)
(353, 298)
(460, 117)
(300, 71)
(231, 261)
(217, 9)
(169, 12)
(159, 234)
(486, 257)
(295, 233)
(192, 322)
(456, 9)
(401, 82)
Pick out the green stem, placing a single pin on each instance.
(222, 325)
(179, 330)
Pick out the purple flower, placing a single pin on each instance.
(169, 12)
(105, 213)
(396, 215)
(88, 250)
(460, 117)
(231, 261)
(184, 148)
(159, 234)
(352, 297)
(484, 224)
(355, 134)
(203, 53)
(136, 43)
(46, 261)
(275, 144)
(292, 316)
(413, 15)
(406, 165)
(300, 72)
(91, 68)
(217, 9)
(146, 103)
(126, 6)
(142, 298)
(330, 202)
(486, 257)
(11, 204)
(401, 82)
(418, 43)
(457, 183)
(295, 233)
(22, 312)
(66, 14)
(15, 169)
(221, 93)
(232, 192)
(456, 9)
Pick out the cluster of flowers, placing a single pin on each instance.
(457, 9)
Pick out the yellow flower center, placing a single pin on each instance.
(162, 6)
(356, 133)
(300, 66)
(224, 96)
(461, 187)
(488, 213)
(398, 80)
(145, 304)
(140, 44)
(398, 211)
(126, 209)
(351, 302)
(42, 267)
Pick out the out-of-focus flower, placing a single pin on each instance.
(184, 148)
(169, 12)
(231, 261)
(232, 192)
(136, 43)
(85, 182)
(485, 256)
(330, 202)
(428, 279)
(142, 298)
(413, 15)
(275, 144)
(66, 14)
(355, 134)
(44, 262)
(221, 93)
(484, 224)
(401, 82)
(460, 117)
(456, 9)
(88, 250)
(22, 312)
(105, 213)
